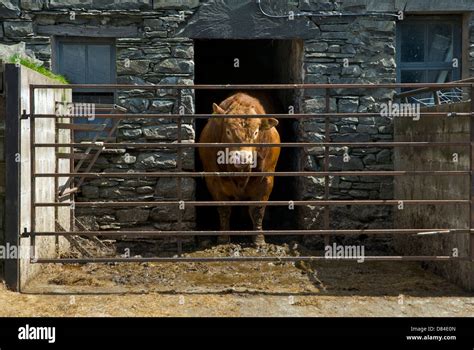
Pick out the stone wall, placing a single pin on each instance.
(349, 51)
(146, 53)
(154, 59)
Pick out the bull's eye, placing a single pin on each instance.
(228, 133)
(255, 133)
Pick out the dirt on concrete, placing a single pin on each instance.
(323, 288)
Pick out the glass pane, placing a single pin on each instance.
(98, 64)
(412, 36)
(440, 42)
(412, 76)
(439, 76)
(72, 62)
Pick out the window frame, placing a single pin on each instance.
(425, 66)
(57, 41)
(87, 41)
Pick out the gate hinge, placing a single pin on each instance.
(24, 115)
(25, 233)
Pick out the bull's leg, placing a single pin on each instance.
(224, 217)
(256, 214)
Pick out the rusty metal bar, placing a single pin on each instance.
(179, 167)
(33, 173)
(471, 204)
(263, 173)
(251, 86)
(251, 232)
(326, 164)
(56, 184)
(247, 259)
(283, 144)
(72, 197)
(267, 203)
(246, 116)
(76, 156)
(82, 127)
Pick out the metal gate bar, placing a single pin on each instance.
(248, 259)
(471, 176)
(267, 203)
(246, 116)
(250, 232)
(179, 174)
(283, 144)
(254, 87)
(264, 173)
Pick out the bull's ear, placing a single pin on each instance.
(268, 123)
(217, 110)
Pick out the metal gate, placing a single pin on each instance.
(65, 196)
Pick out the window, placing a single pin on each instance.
(429, 49)
(87, 61)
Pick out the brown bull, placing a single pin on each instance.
(240, 158)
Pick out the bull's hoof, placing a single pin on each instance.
(258, 240)
(223, 239)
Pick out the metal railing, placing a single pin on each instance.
(179, 174)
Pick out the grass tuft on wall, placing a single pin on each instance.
(36, 67)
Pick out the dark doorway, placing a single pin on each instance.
(250, 62)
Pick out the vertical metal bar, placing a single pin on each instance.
(179, 165)
(326, 166)
(56, 181)
(471, 178)
(72, 209)
(33, 174)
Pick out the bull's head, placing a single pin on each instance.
(241, 131)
